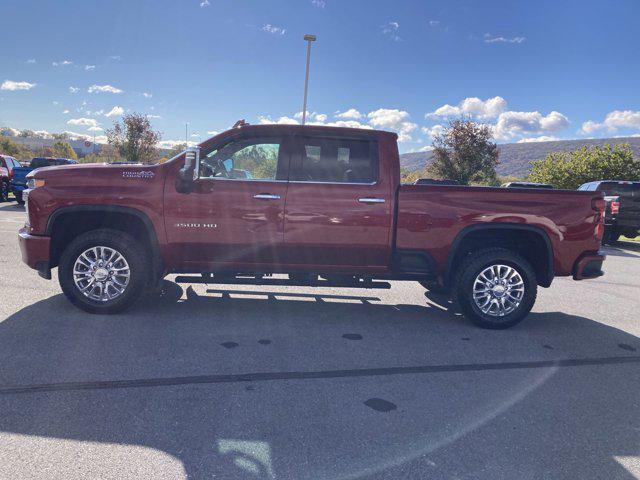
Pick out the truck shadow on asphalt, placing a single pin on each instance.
(219, 419)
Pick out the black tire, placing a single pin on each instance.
(18, 196)
(473, 266)
(4, 191)
(435, 287)
(611, 236)
(128, 247)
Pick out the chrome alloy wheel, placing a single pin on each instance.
(498, 290)
(101, 273)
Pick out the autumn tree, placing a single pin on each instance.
(464, 152)
(134, 139)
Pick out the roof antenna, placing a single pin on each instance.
(240, 123)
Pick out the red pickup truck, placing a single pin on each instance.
(323, 205)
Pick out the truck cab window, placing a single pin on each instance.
(336, 161)
(243, 159)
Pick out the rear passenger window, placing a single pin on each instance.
(336, 161)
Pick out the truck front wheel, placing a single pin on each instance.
(495, 288)
(103, 271)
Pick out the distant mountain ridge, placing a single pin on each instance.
(515, 158)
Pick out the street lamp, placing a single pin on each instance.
(309, 39)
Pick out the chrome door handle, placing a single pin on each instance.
(371, 200)
(266, 196)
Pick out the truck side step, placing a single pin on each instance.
(283, 282)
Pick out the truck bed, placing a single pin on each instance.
(432, 217)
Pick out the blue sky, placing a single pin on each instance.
(543, 69)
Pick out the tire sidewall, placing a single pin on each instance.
(128, 248)
(465, 291)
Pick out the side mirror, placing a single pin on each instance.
(189, 173)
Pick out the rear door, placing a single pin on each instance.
(338, 210)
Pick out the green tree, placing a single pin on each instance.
(176, 149)
(14, 149)
(571, 169)
(64, 150)
(134, 139)
(464, 152)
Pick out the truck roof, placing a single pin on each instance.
(311, 129)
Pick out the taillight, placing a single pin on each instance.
(599, 205)
(615, 207)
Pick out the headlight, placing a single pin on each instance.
(35, 183)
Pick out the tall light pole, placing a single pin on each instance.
(309, 39)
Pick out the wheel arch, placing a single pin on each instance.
(506, 235)
(66, 222)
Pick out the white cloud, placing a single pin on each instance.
(590, 127)
(103, 89)
(204, 3)
(74, 89)
(95, 129)
(65, 112)
(89, 67)
(63, 63)
(282, 121)
(391, 30)
(348, 124)
(31, 61)
(195, 135)
(153, 116)
(511, 124)
(313, 116)
(474, 107)
(115, 58)
(86, 122)
(613, 121)
(213, 133)
(147, 95)
(115, 112)
(273, 29)
(434, 23)
(488, 38)
(56, 103)
(11, 86)
(542, 138)
(168, 144)
(351, 113)
(319, 3)
(393, 119)
(432, 132)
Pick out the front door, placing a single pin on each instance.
(338, 211)
(233, 219)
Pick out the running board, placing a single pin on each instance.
(282, 282)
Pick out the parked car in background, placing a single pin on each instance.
(623, 207)
(19, 180)
(7, 166)
(526, 185)
(323, 205)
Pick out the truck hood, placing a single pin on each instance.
(115, 177)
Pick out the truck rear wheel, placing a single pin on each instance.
(4, 191)
(495, 288)
(103, 271)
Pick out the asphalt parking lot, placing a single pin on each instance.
(294, 383)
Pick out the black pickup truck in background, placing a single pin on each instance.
(623, 207)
